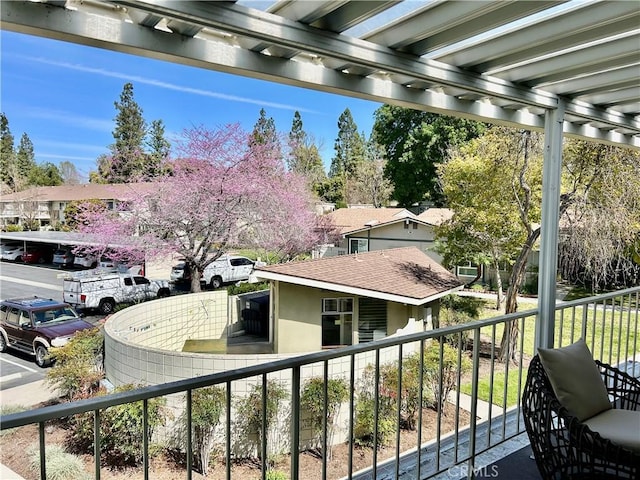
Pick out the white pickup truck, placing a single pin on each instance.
(103, 291)
(228, 269)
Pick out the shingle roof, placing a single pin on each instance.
(85, 191)
(436, 216)
(401, 274)
(350, 219)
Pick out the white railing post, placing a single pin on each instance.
(551, 181)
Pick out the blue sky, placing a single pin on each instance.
(62, 96)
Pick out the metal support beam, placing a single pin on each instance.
(551, 181)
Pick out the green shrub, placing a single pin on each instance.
(247, 288)
(364, 426)
(121, 430)
(276, 475)
(365, 422)
(207, 404)
(13, 228)
(78, 369)
(7, 410)
(312, 400)
(60, 465)
(447, 373)
(250, 412)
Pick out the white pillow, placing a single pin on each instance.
(575, 379)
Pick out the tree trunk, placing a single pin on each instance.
(195, 279)
(509, 340)
(499, 298)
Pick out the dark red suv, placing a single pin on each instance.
(33, 325)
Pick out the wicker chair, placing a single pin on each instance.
(564, 447)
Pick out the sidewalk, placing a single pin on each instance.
(25, 396)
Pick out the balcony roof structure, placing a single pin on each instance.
(500, 61)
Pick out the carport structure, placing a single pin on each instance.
(562, 67)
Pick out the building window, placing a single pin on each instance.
(358, 245)
(337, 322)
(467, 270)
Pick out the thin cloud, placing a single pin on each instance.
(169, 86)
(69, 119)
(79, 147)
(57, 156)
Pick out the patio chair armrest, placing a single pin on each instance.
(623, 389)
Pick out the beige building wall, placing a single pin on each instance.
(396, 236)
(298, 326)
(298, 317)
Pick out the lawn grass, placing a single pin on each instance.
(610, 333)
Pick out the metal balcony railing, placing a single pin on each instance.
(451, 375)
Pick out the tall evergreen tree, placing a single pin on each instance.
(304, 156)
(264, 134)
(127, 159)
(25, 157)
(297, 138)
(349, 147)
(7, 153)
(159, 149)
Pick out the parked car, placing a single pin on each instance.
(34, 325)
(63, 257)
(37, 254)
(85, 260)
(180, 273)
(12, 252)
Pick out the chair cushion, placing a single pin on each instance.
(575, 379)
(622, 427)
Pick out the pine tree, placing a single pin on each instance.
(264, 133)
(349, 147)
(25, 157)
(7, 154)
(304, 156)
(127, 156)
(159, 148)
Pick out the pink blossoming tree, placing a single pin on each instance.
(223, 192)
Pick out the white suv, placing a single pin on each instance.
(85, 260)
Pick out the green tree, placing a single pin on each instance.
(416, 143)
(25, 157)
(264, 133)
(159, 149)
(349, 154)
(510, 206)
(127, 159)
(7, 153)
(304, 156)
(45, 175)
(349, 147)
